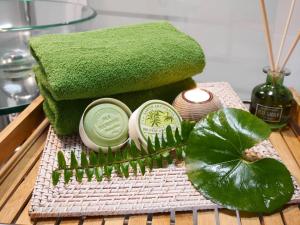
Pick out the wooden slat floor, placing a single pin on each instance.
(17, 182)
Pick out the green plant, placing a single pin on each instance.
(99, 165)
(219, 167)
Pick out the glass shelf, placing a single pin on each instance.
(41, 14)
(20, 20)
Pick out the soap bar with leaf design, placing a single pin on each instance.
(151, 119)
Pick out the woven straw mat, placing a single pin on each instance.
(162, 190)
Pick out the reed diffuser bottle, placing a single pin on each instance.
(272, 101)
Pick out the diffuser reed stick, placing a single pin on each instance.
(267, 34)
(292, 48)
(272, 101)
(288, 21)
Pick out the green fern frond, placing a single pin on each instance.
(99, 165)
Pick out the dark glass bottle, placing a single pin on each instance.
(272, 101)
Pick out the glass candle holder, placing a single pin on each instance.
(272, 101)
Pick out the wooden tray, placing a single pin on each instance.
(19, 169)
(161, 190)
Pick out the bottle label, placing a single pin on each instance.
(269, 114)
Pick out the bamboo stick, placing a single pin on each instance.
(267, 34)
(292, 48)
(288, 21)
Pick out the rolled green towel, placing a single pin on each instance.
(116, 60)
(65, 115)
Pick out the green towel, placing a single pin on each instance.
(65, 115)
(116, 60)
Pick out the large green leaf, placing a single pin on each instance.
(219, 168)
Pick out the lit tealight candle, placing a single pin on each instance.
(196, 103)
(197, 95)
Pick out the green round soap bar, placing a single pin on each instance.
(106, 125)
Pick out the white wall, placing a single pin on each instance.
(230, 31)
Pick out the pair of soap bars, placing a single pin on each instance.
(108, 122)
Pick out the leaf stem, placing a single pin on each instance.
(167, 149)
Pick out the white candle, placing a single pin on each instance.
(196, 103)
(197, 95)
